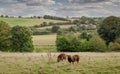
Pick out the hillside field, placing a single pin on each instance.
(26, 21)
(39, 63)
(44, 39)
(61, 26)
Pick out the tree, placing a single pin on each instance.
(21, 39)
(5, 36)
(110, 29)
(51, 23)
(6, 16)
(83, 20)
(85, 35)
(55, 28)
(73, 29)
(19, 16)
(97, 43)
(76, 22)
(45, 23)
(60, 32)
(2, 16)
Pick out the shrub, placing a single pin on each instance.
(84, 46)
(5, 35)
(115, 46)
(41, 32)
(72, 43)
(62, 44)
(97, 44)
(21, 39)
(55, 28)
(85, 35)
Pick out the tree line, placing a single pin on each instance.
(16, 39)
(107, 38)
(54, 18)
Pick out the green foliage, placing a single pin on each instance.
(73, 29)
(115, 46)
(85, 20)
(85, 35)
(21, 39)
(76, 22)
(45, 23)
(60, 32)
(110, 29)
(54, 18)
(5, 36)
(73, 43)
(97, 44)
(55, 28)
(62, 44)
(41, 31)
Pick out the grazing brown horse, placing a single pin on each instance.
(61, 57)
(74, 58)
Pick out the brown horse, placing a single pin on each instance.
(61, 57)
(74, 58)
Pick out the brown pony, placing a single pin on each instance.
(61, 57)
(74, 58)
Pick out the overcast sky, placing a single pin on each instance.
(60, 7)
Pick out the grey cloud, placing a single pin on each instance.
(37, 2)
(86, 1)
(60, 7)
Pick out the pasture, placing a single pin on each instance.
(26, 21)
(39, 63)
(44, 40)
(61, 26)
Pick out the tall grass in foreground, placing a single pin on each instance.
(37, 63)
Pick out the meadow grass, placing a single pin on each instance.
(38, 63)
(26, 21)
(44, 39)
(45, 48)
(61, 26)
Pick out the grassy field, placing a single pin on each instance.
(26, 21)
(38, 63)
(45, 48)
(44, 39)
(61, 26)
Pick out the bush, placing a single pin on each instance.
(63, 44)
(84, 46)
(97, 44)
(5, 35)
(85, 35)
(115, 46)
(72, 43)
(55, 28)
(21, 39)
(40, 31)
(73, 29)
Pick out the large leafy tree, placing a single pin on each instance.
(5, 36)
(110, 29)
(21, 39)
(55, 28)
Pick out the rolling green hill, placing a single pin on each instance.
(26, 21)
